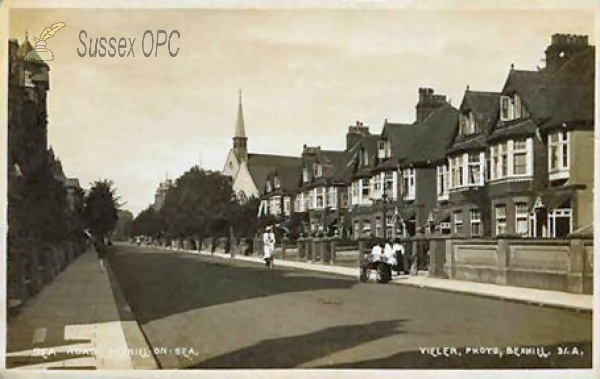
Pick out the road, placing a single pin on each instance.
(231, 314)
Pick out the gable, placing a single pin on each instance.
(243, 182)
(232, 164)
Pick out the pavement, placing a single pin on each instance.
(75, 322)
(577, 302)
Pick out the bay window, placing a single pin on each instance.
(275, 205)
(300, 202)
(475, 171)
(512, 158)
(520, 157)
(376, 183)
(389, 184)
(287, 206)
(558, 155)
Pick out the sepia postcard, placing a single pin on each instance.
(298, 189)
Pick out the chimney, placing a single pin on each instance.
(428, 102)
(355, 132)
(562, 48)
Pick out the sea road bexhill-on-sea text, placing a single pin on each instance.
(102, 47)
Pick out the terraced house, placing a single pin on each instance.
(323, 194)
(545, 122)
(463, 206)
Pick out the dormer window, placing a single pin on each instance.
(363, 158)
(384, 151)
(305, 175)
(318, 170)
(467, 124)
(511, 107)
(269, 186)
(276, 182)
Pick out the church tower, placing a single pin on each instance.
(240, 141)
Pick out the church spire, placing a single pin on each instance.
(239, 139)
(240, 131)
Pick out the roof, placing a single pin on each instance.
(401, 137)
(289, 177)
(431, 140)
(523, 128)
(468, 143)
(572, 90)
(260, 165)
(483, 105)
(368, 143)
(532, 89)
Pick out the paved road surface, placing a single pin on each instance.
(232, 314)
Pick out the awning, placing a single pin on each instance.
(553, 199)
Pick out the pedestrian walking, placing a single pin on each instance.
(101, 251)
(269, 247)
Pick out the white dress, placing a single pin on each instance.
(268, 245)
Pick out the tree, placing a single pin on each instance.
(148, 223)
(201, 203)
(100, 210)
(123, 226)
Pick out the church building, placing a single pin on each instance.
(249, 171)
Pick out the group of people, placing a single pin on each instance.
(395, 255)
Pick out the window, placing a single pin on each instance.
(442, 181)
(276, 182)
(463, 125)
(332, 197)
(500, 219)
(376, 182)
(511, 107)
(457, 171)
(312, 200)
(305, 175)
(521, 219)
(287, 206)
(458, 223)
(408, 183)
(27, 81)
(269, 186)
(389, 225)
(505, 108)
(364, 157)
(275, 205)
(318, 170)
(388, 186)
(344, 199)
(365, 189)
(474, 176)
(378, 227)
(558, 153)
(384, 150)
(475, 222)
(560, 222)
(320, 194)
(503, 159)
(300, 202)
(520, 157)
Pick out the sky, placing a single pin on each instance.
(305, 76)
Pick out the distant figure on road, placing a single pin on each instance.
(269, 247)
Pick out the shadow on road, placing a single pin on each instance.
(290, 352)
(160, 284)
(418, 360)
